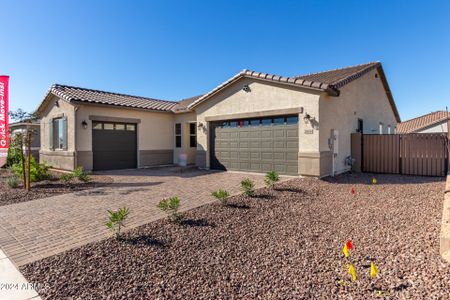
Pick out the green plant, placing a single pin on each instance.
(38, 172)
(81, 174)
(66, 177)
(271, 178)
(221, 195)
(248, 186)
(170, 206)
(116, 219)
(13, 181)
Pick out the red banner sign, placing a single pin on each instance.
(3, 118)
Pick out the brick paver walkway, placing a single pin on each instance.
(32, 230)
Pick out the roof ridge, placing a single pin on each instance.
(55, 85)
(339, 69)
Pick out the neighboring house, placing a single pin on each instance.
(435, 122)
(252, 122)
(34, 126)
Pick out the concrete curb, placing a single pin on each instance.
(13, 286)
(445, 225)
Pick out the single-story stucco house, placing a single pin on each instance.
(435, 122)
(253, 122)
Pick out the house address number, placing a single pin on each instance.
(309, 131)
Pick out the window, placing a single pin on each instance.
(131, 127)
(292, 120)
(389, 129)
(178, 135)
(192, 135)
(58, 133)
(278, 121)
(233, 124)
(254, 122)
(97, 125)
(108, 126)
(120, 126)
(381, 128)
(266, 122)
(360, 126)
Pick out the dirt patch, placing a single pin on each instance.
(45, 188)
(284, 244)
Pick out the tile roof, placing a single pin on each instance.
(328, 81)
(77, 94)
(337, 78)
(422, 122)
(182, 106)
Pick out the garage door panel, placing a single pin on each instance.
(256, 148)
(267, 156)
(291, 156)
(114, 149)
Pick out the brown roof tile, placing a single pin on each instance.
(77, 94)
(339, 77)
(422, 122)
(329, 81)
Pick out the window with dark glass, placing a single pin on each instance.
(192, 135)
(278, 121)
(266, 121)
(178, 135)
(233, 124)
(58, 134)
(254, 122)
(292, 120)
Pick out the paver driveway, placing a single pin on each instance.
(36, 229)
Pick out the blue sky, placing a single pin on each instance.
(177, 49)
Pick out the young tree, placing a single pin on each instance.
(24, 140)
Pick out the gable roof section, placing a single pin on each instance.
(182, 106)
(328, 81)
(73, 94)
(422, 122)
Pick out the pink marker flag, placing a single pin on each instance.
(4, 125)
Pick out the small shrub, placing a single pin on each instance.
(13, 181)
(66, 178)
(38, 172)
(271, 178)
(222, 196)
(170, 206)
(81, 174)
(116, 219)
(248, 187)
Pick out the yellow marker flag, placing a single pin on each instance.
(374, 180)
(345, 250)
(352, 271)
(373, 270)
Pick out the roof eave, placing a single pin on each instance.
(281, 80)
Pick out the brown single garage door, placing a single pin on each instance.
(256, 145)
(114, 145)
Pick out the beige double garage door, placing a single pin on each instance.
(256, 145)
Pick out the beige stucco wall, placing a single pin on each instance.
(263, 96)
(58, 158)
(437, 128)
(184, 119)
(364, 98)
(155, 133)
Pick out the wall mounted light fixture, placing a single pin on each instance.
(84, 124)
(307, 118)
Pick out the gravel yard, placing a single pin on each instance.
(45, 188)
(285, 244)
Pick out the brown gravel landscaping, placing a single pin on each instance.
(284, 244)
(45, 188)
